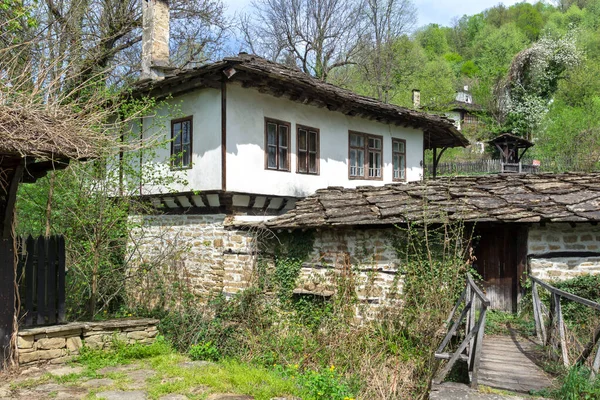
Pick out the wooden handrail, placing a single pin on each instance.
(478, 291)
(469, 350)
(557, 325)
(566, 295)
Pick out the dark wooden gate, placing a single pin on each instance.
(41, 272)
(501, 259)
(7, 297)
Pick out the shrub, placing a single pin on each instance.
(205, 351)
(576, 386)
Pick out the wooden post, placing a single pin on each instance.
(7, 262)
(540, 328)
(561, 331)
(478, 347)
(595, 365)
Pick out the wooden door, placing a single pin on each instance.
(500, 261)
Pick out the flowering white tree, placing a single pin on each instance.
(533, 79)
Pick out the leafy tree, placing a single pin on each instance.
(433, 40)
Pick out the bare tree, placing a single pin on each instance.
(102, 39)
(317, 36)
(387, 21)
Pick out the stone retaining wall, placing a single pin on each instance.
(59, 343)
(543, 241)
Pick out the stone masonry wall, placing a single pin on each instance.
(59, 343)
(213, 258)
(563, 238)
(367, 254)
(197, 248)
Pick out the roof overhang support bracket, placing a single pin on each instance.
(436, 159)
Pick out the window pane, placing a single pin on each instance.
(272, 157)
(396, 162)
(302, 167)
(177, 133)
(283, 136)
(302, 140)
(401, 147)
(395, 146)
(374, 143)
(402, 169)
(271, 134)
(186, 132)
(357, 140)
(283, 158)
(312, 163)
(186, 156)
(312, 145)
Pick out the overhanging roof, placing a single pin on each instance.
(510, 198)
(279, 80)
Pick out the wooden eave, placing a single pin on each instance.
(280, 81)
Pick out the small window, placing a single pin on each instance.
(277, 145)
(308, 150)
(181, 143)
(365, 156)
(399, 159)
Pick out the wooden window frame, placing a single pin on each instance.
(366, 137)
(189, 119)
(289, 146)
(394, 140)
(318, 152)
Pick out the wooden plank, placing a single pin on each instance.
(7, 300)
(51, 296)
(458, 303)
(595, 365)
(540, 327)
(61, 280)
(454, 328)
(41, 281)
(561, 330)
(457, 354)
(29, 280)
(478, 291)
(478, 346)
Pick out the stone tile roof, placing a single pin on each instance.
(510, 198)
(280, 80)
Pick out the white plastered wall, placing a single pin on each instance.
(246, 111)
(205, 108)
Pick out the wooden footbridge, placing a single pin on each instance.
(510, 362)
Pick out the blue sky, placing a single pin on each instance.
(429, 11)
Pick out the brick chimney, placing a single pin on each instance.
(416, 97)
(155, 39)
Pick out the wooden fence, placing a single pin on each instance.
(555, 334)
(41, 277)
(473, 313)
(494, 166)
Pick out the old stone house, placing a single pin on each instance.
(545, 225)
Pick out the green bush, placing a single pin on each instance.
(205, 351)
(576, 386)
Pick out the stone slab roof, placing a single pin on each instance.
(507, 198)
(282, 81)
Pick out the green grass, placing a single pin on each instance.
(501, 323)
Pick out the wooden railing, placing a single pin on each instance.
(556, 324)
(473, 314)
